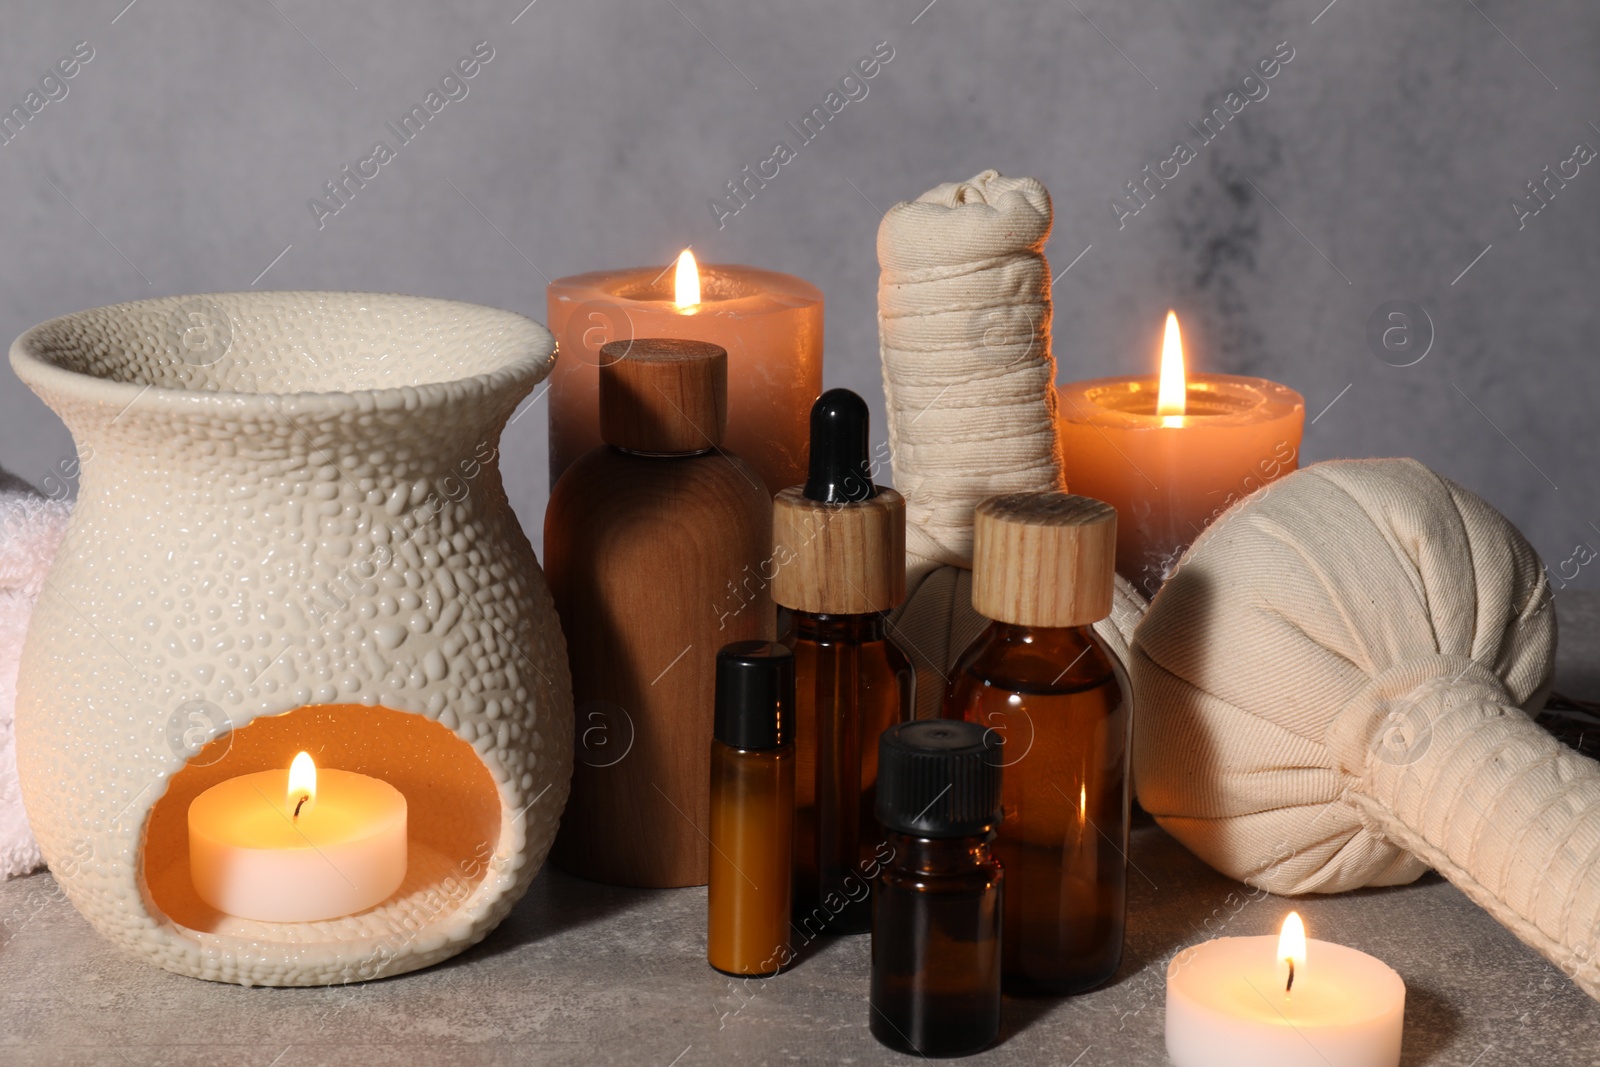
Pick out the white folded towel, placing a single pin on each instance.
(31, 528)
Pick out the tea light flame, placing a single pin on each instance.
(1291, 950)
(686, 283)
(1172, 397)
(302, 782)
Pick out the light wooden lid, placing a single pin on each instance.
(663, 395)
(1044, 559)
(839, 559)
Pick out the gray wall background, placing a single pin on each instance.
(184, 153)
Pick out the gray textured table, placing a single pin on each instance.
(583, 973)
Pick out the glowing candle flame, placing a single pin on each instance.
(686, 285)
(302, 783)
(1291, 951)
(1172, 398)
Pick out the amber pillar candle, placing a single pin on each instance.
(1171, 468)
(769, 323)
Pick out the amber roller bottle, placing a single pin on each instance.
(936, 907)
(752, 810)
(839, 551)
(1040, 678)
(642, 536)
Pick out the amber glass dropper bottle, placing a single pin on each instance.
(1040, 678)
(839, 548)
(937, 905)
(752, 810)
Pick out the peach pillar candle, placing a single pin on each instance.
(297, 845)
(770, 324)
(1281, 1002)
(1172, 452)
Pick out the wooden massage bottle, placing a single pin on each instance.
(1040, 678)
(839, 551)
(642, 537)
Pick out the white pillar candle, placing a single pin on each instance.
(1230, 1004)
(280, 846)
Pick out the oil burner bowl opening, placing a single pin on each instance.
(291, 533)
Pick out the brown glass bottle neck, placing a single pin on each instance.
(940, 855)
(1012, 633)
(834, 629)
(661, 455)
(1039, 659)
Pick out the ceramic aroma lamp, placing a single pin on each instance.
(290, 536)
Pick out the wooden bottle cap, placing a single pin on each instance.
(1044, 559)
(839, 559)
(663, 395)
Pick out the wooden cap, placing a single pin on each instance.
(663, 395)
(839, 559)
(1044, 559)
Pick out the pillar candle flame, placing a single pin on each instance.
(1172, 397)
(686, 283)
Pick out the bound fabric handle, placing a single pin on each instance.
(1448, 767)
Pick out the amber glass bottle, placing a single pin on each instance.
(1057, 697)
(752, 810)
(839, 549)
(936, 918)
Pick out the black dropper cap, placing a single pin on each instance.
(939, 778)
(755, 695)
(841, 468)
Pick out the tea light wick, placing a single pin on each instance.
(1289, 985)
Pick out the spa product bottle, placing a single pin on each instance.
(752, 810)
(839, 554)
(642, 536)
(936, 908)
(1040, 678)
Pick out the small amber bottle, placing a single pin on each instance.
(936, 908)
(839, 550)
(752, 810)
(1040, 678)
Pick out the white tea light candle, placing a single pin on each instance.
(297, 845)
(1282, 1002)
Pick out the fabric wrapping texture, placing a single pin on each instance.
(969, 382)
(31, 528)
(1333, 692)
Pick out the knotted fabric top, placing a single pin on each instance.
(969, 382)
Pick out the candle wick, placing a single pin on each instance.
(1290, 985)
(303, 798)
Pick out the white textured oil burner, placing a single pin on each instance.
(291, 535)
